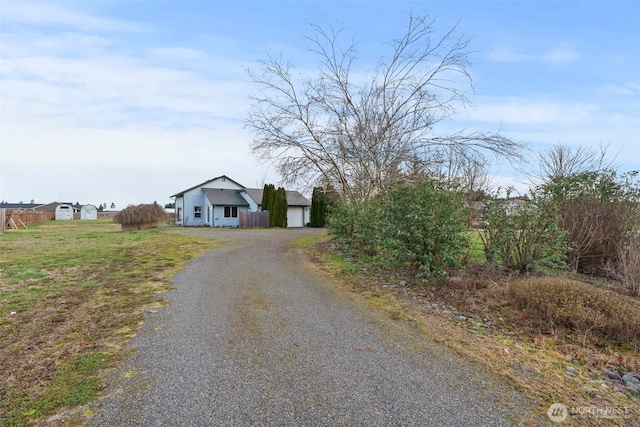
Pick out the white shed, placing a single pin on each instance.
(89, 212)
(64, 212)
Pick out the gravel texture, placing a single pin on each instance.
(254, 336)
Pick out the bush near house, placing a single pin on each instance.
(141, 216)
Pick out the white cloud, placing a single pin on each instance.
(104, 122)
(76, 86)
(628, 89)
(561, 56)
(131, 122)
(532, 112)
(30, 43)
(558, 56)
(176, 53)
(507, 55)
(542, 122)
(56, 14)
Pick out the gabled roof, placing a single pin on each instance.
(219, 196)
(255, 194)
(294, 198)
(205, 183)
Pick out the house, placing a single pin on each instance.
(19, 206)
(217, 203)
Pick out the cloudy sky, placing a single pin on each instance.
(130, 102)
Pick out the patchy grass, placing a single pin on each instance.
(549, 337)
(71, 295)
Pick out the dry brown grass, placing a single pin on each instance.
(627, 266)
(578, 309)
(141, 216)
(549, 337)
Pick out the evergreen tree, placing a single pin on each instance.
(281, 206)
(278, 208)
(271, 203)
(321, 200)
(266, 196)
(318, 205)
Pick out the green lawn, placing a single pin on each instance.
(476, 248)
(71, 294)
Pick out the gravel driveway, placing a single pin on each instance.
(254, 336)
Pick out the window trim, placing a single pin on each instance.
(197, 211)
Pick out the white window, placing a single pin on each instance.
(197, 211)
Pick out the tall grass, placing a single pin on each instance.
(580, 309)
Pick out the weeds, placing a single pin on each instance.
(580, 309)
(627, 267)
(527, 330)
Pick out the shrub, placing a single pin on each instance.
(523, 238)
(585, 310)
(355, 225)
(626, 268)
(141, 216)
(340, 221)
(599, 210)
(421, 225)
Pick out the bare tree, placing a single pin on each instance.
(562, 161)
(364, 134)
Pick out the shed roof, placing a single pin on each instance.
(219, 196)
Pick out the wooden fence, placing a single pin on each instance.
(101, 214)
(107, 214)
(23, 218)
(253, 219)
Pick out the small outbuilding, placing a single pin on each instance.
(64, 212)
(89, 212)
